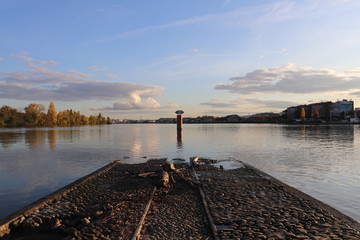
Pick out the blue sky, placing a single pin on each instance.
(146, 59)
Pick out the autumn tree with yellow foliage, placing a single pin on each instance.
(34, 116)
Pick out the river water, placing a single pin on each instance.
(323, 161)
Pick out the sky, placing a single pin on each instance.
(146, 59)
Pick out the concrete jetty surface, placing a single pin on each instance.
(127, 201)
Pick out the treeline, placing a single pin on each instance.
(35, 115)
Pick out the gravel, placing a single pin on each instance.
(247, 205)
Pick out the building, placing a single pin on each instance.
(323, 111)
(342, 109)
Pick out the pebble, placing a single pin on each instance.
(247, 206)
(55, 223)
(97, 213)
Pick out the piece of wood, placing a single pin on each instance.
(169, 167)
(165, 179)
(145, 174)
(194, 161)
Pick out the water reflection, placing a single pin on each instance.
(179, 138)
(51, 134)
(35, 138)
(323, 133)
(8, 138)
(72, 135)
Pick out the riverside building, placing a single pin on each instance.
(324, 111)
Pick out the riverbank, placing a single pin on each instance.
(243, 203)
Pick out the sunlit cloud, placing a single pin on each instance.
(292, 79)
(43, 84)
(136, 102)
(240, 102)
(1, 59)
(216, 103)
(81, 74)
(271, 104)
(25, 57)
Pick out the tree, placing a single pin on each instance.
(101, 119)
(33, 114)
(93, 120)
(51, 115)
(302, 114)
(84, 120)
(10, 117)
(108, 120)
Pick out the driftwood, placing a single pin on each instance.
(165, 179)
(195, 161)
(145, 174)
(169, 174)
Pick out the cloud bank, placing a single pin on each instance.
(135, 102)
(38, 83)
(240, 102)
(292, 79)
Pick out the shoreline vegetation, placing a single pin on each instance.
(34, 115)
(266, 118)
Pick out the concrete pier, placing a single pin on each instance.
(125, 201)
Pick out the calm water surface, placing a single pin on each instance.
(323, 161)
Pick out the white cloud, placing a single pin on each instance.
(25, 57)
(353, 71)
(42, 84)
(239, 17)
(291, 79)
(195, 50)
(80, 74)
(135, 102)
(250, 15)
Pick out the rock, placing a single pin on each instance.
(279, 235)
(17, 222)
(30, 223)
(325, 225)
(72, 231)
(38, 220)
(300, 231)
(86, 220)
(55, 223)
(98, 213)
